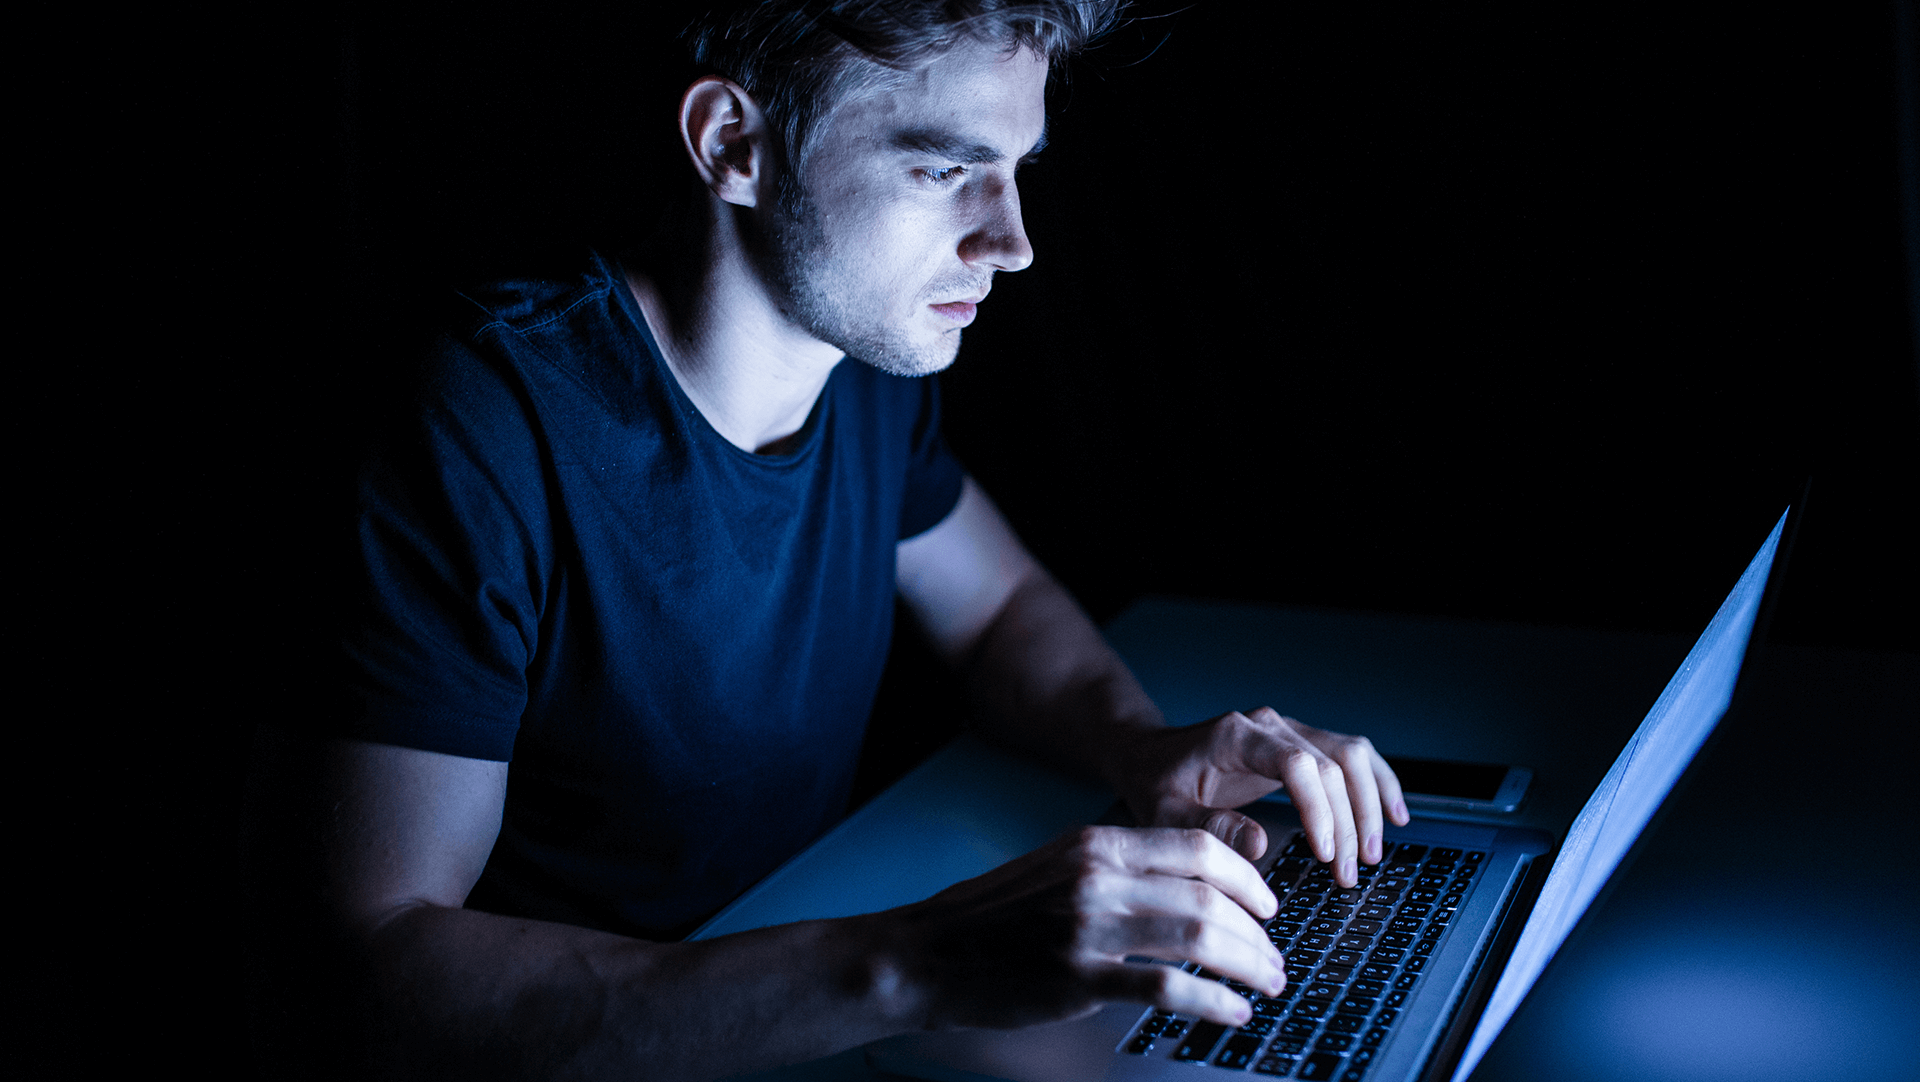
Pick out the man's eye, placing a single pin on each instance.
(948, 175)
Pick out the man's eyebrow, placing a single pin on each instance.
(955, 148)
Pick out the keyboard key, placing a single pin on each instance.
(1415, 909)
(1301, 1028)
(1374, 1037)
(1359, 944)
(1349, 895)
(1237, 1053)
(1288, 869)
(1423, 895)
(1395, 998)
(1274, 1065)
(1333, 1042)
(1354, 1073)
(1345, 956)
(1387, 956)
(1260, 1027)
(1474, 858)
(1409, 852)
(1465, 871)
(1312, 1008)
(1346, 1023)
(1200, 1043)
(1368, 987)
(1325, 927)
(1323, 991)
(1336, 910)
(1359, 1005)
(1425, 946)
(1406, 924)
(1334, 974)
(1303, 956)
(1415, 965)
(1316, 941)
(1446, 854)
(1364, 927)
(1267, 1007)
(1385, 1018)
(1406, 981)
(1431, 882)
(1445, 916)
(1374, 912)
(1319, 1066)
(1396, 939)
(1140, 1045)
(1289, 1046)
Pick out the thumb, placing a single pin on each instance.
(1242, 834)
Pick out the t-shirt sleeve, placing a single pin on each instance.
(933, 474)
(448, 567)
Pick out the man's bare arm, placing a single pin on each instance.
(458, 992)
(1049, 683)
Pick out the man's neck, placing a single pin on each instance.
(752, 374)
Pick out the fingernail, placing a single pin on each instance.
(1348, 870)
(1400, 806)
(1373, 848)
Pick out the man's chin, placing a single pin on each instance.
(910, 364)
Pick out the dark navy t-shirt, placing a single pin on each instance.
(675, 642)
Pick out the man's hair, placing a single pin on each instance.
(800, 58)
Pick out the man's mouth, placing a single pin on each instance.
(961, 311)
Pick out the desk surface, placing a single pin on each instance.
(1700, 898)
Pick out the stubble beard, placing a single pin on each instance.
(814, 281)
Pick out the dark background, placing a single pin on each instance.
(1509, 312)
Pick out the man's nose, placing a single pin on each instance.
(999, 237)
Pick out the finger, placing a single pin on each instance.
(1170, 989)
(1300, 769)
(1162, 917)
(1196, 854)
(1242, 835)
(1392, 797)
(1346, 840)
(1356, 757)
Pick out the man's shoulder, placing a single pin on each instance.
(538, 302)
(547, 336)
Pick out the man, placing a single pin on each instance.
(628, 587)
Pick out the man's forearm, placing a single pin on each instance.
(1049, 684)
(461, 993)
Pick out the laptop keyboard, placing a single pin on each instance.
(1354, 959)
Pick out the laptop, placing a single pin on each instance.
(1413, 973)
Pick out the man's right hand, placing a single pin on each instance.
(1044, 938)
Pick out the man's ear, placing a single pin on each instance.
(726, 135)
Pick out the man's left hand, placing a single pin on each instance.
(1195, 775)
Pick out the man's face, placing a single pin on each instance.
(908, 206)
